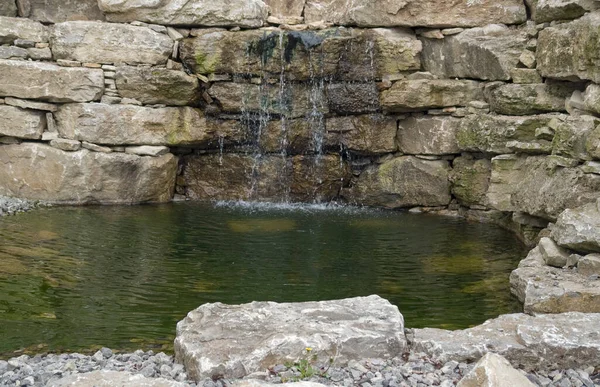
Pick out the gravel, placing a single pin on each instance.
(10, 206)
(415, 371)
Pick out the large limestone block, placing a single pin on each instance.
(198, 13)
(591, 98)
(493, 370)
(554, 341)
(348, 54)
(21, 123)
(424, 94)
(428, 135)
(236, 340)
(286, 9)
(57, 11)
(576, 137)
(470, 180)
(84, 177)
(48, 82)
(490, 133)
(579, 228)
(550, 10)
(128, 124)
(403, 182)
(414, 13)
(539, 187)
(570, 50)
(157, 86)
(524, 99)
(268, 177)
(8, 8)
(489, 53)
(97, 42)
(12, 28)
(105, 378)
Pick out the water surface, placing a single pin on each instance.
(77, 278)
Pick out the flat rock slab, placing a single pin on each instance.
(236, 340)
(557, 341)
(111, 379)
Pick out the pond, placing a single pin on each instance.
(78, 278)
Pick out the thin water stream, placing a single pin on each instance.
(75, 278)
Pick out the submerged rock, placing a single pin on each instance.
(214, 340)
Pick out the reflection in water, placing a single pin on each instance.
(75, 278)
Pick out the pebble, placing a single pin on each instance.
(11, 206)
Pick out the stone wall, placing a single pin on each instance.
(465, 106)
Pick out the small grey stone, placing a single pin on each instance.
(106, 352)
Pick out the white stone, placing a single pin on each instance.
(493, 370)
(147, 150)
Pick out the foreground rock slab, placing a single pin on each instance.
(236, 340)
(549, 341)
(84, 177)
(113, 378)
(494, 371)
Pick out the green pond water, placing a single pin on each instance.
(78, 278)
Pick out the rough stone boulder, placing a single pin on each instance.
(576, 137)
(286, 9)
(570, 50)
(270, 177)
(539, 186)
(137, 125)
(489, 53)
(112, 378)
(424, 94)
(545, 289)
(8, 8)
(352, 98)
(153, 86)
(550, 10)
(428, 135)
(97, 42)
(48, 82)
(12, 28)
(554, 341)
(470, 180)
(236, 340)
(579, 228)
(491, 133)
(21, 123)
(413, 13)
(493, 370)
(523, 99)
(197, 13)
(84, 177)
(403, 182)
(57, 11)
(344, 53)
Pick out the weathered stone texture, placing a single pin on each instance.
(364, 134)
(575, 137)
(579, 228)
(48, 82)
(403, 182)
(57, 11)
(12, 28)
(214, 340)
(489, 53)
(537, 186)
(97, 42)
(112, 378)
(8, 8)
(157, 86)
(412, 13)
(570, 50)
(352, 98)
(493, 370)
(128, 124)
(470, 180)
(428, 135)
(21, 123)
(353, 54)
(283, 9)
(549, 10)
(524, 99)
(84, 177)
(198, 13)
(424, 94)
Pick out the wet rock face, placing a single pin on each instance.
(214, 340)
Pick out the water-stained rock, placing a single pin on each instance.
(128, 124)
(97, 42)
(570, 50)
(428, 135)
(21, 123)
(197, 13)
(489, 53)
(236, 340)
(49, 82)
(57, 11)
(413, 13)
(424, 94)
(84, 177)
(157, 85)
(470, 180)
(403, 182)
